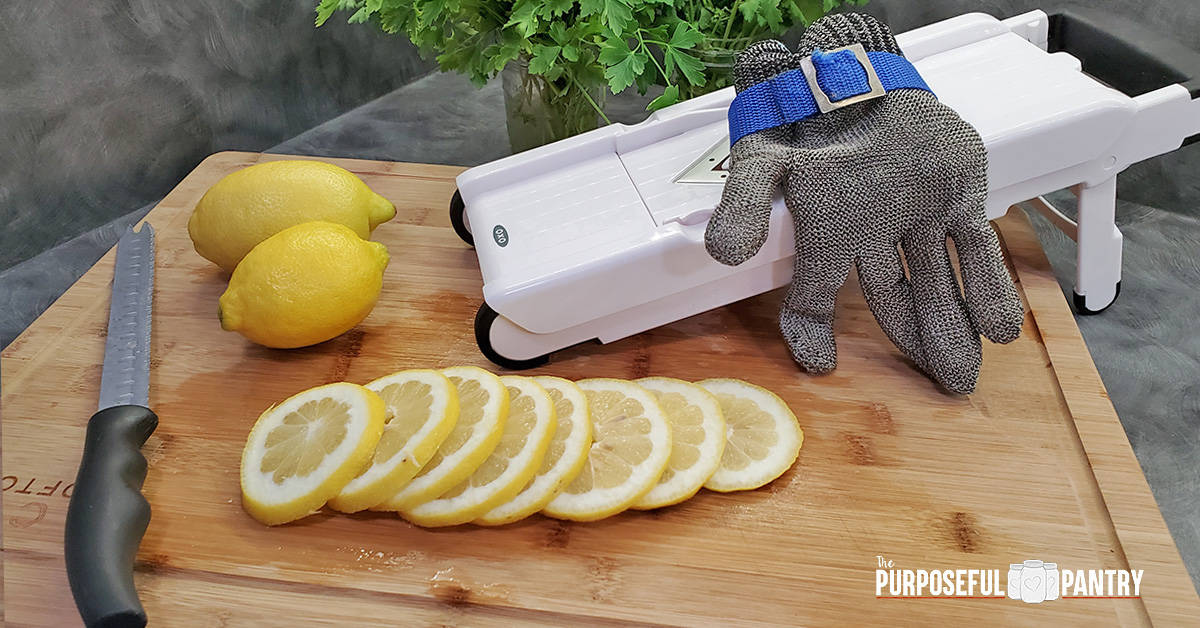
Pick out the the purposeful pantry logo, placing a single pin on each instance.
(1031, 581)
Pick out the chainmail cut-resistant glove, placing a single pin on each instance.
(878, 185)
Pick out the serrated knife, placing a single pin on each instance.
(107, 514)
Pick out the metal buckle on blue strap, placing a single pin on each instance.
(823, 103)
(798, 94)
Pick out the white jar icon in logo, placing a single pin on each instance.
(1051, 580)
(1033, 581)
(1014, 581)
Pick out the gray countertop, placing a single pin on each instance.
(1145, 346)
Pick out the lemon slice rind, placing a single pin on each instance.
(443, 473)
(705, 456)
(598, 503)
(572, 435)
(528, 429)
(275, 503)
(780, 455)
(385, 478)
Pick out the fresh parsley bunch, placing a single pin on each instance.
(577, 44)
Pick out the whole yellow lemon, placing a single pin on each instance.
(303, 285)
(254, 203)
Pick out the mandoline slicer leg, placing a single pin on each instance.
(1098, 256)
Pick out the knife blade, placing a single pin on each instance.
(107, 514)
(125, 379)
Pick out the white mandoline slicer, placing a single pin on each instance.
(601, 236)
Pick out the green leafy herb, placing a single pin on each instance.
(577, 44)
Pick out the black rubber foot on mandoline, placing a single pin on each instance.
(483, 337)
(1081, 307)
(457, 207)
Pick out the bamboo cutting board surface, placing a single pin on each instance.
(1033, 465)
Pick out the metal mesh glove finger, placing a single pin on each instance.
(893, 175)
(739, 225)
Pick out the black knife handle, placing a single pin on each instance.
(107, 517)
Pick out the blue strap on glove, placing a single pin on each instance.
(787, 97)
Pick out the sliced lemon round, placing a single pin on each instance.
(301, 452)
(422, 408)
(697, 440)
(762, 436)
(631, 443)
(482, 410)
(565, 455)
(518, 456)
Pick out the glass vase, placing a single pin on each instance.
(718, 56)
(539, 111)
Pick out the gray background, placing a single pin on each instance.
(106, 105)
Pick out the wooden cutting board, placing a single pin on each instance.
(1034, 465)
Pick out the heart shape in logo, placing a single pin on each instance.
(1032, 584)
